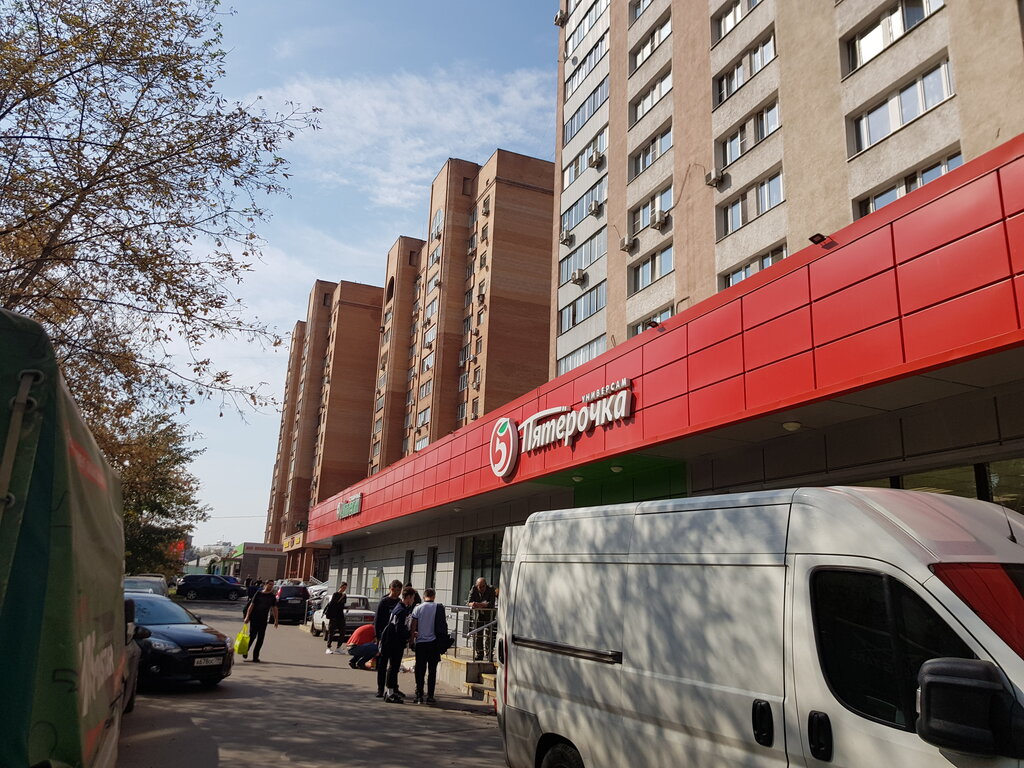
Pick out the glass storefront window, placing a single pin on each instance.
(478, 556)
(958, 481)
(1006, 481)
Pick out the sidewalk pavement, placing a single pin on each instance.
(301, 707)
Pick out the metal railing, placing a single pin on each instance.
(475, 630)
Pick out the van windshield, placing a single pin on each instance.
(994, 591)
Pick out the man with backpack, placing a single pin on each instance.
(430, 634)
(393, 642)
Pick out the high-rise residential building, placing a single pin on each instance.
(325, 416)
(464, 326)
(703, 142)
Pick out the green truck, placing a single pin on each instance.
(62, 609)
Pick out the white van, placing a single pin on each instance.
(812, 627)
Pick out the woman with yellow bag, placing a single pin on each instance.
(258, 616)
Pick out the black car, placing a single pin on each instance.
(196, 586)
(179, 646)
(132, 656)
(291, 602)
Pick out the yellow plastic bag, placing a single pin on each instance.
(242, 641)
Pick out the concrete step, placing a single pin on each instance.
(480, 692)
(489, 679)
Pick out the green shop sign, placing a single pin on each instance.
(350, 507)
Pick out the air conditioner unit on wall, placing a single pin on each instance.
(626, 243)
(564, 237)
(596, 159)
(577, 276)
(660, 220)
(480, 297)
(476, 331)
(594, 208)
(714, 179)
(560, 18)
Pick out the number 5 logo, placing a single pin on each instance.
(504, 447)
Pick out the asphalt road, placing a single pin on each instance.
(299, 707)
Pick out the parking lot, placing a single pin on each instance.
(300, 707)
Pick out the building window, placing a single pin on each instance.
(588, 304)
(586, 66)
(650, 44)
(379, 404)
(730, 15)
(902, 106)
(434, 282)
(431, 310)
(882, 32)
(583, 256)
(574, 38)
(378, 425)
(660, 203)
(581, 162)
(769, 193)
(411, 374)
(460, 411)
(643, 159)
(421, 442)
(636, 8)
(580, 117)
(479, 347)
(581, 355)
(464, 354)
(426, 388)
(760, 125)
(463, 381)
(475, 409)
(376, 449)
(423, 417)
(742, 272)
(427, 363)
(767, 121)
(429, 335)
(650, 269)
(467, 325)
(750, 63)
(436, 224)
(408, 417)
(908, 183)
(650, 322)
(480, 318)
(651, 96)
(579, 210)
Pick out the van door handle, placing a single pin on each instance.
(819, 735)
(762, 722)
(501, 650)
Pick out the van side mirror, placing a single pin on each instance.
(965, 705)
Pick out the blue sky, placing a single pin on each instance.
(403, 86)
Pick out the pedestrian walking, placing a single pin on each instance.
(429, 633)
(335, 615)
(263, 604)
(380, 622)
(393, 642)
(482, 599)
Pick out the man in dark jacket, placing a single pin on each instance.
(263, 604)
(482, 599)
(380, 622)
(393, 642)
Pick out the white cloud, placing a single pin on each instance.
(389, 136)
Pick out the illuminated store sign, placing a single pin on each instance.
(608, 405)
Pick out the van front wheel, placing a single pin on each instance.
(562, 756)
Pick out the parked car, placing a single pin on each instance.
(179, 647)
(133, 655)
(357, 611)
(291, 602)
(154, 584)
(232, 579)
(195, 586)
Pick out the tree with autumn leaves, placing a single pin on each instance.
(130, 193)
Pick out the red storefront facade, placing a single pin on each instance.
(915, 303)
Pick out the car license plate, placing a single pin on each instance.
(291, 599)
(210, 661)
